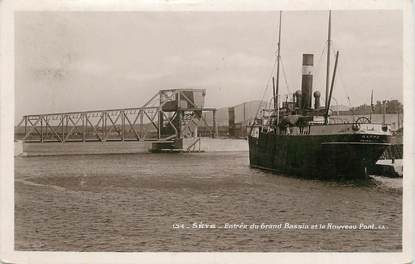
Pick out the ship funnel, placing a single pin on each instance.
(297, 96)
(316, 99)
(307, 81)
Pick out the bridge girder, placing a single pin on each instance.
(166, 117)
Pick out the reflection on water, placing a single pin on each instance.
(131, 202)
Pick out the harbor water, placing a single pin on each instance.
(202, 202)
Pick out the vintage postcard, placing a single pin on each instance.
(193, 132)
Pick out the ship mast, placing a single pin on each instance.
(371, 106)
(331, 88)
(275, 89)
(328, 65)
(276, 102)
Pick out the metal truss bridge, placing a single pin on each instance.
(167, 118)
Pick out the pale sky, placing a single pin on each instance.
(76, 61)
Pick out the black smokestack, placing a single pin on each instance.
(298, 98)
(307, 81)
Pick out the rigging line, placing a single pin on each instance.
(285, 76)
(269, 79)
(275, 37)
(270, 102)
(341, 80)
(266, 89)
(318, 66)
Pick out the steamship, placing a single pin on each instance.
(302, 140)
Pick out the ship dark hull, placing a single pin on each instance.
(336, 156)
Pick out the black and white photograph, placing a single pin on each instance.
(220, 131)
